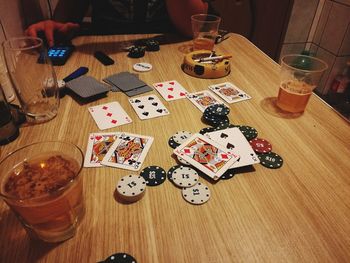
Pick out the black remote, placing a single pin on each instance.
(103, 58)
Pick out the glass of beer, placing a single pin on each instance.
(299, 76)
(205, 30)
(41, 184)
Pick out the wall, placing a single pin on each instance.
(321, 26)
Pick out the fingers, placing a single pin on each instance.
(49, 33)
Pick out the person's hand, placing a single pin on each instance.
(53, 30)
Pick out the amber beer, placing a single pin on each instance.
(46, 195)
(203, 43)
(293, 96)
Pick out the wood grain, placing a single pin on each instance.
(299, 213)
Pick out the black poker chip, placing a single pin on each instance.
(171, 170)
(136, 52)
(271, 160)
(218, 110)
(228, 174)
(249, 132)
(152, 45)
(206, 129)
(172, 143)
(120, 258)
(153, 175)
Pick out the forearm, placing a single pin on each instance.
(71, 10)
(180, 12)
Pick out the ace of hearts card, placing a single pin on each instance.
(171, 90)
(98, 146)
(206, 155)
(128, 151)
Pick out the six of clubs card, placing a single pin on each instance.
(128, 151)
(171, 90)
(229, 92)
(206, 155)
(203, 99)
(148, 107)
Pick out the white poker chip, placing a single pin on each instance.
(197, 194)
(131, 188)
(185, 176)
(61, 83)
(182, 160)
(142, 67)
(181, 136)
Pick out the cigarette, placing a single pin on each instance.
(212, 58)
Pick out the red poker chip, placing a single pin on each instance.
(260, 145)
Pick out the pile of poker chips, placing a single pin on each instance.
(216, 115)
(138, 50)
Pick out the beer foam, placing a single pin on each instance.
(39, 177)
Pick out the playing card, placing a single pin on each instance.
(109, 115)
(86, 86)
(206, 155)
(203, 99)
(128, 151)
(170, 90)
(148, 107)
(98, 146)
(229, 92)
(138, 91)
(234, 140)
(125, 81)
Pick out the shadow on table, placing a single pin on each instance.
(269, 106)
(16, 244)
(110, 47)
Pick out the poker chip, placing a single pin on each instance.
(206, 129)
(170, 171)
(120, 258)
(152, 45)
(154, 175)
(249, 132)
(142, 67)
(218, 110)
(136, 52)
(172, 143)
(131, 188)
(185, 176)
(197, 194)
(228, 174)
(271, 160)
(182, 160)
(181, 136)
(260, 145)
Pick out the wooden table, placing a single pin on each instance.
(299, 213)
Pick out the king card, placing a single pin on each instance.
(109, 115)
(229, 92)
(171, 90)
(98, 146)
(203, 99)
(233, 140)
(206, 155)
(128, 151)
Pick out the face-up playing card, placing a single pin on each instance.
(109, 115)
(148, 107)
(170, 90)
(203, 99)
(206, 155)
(234, 141)
(86, 86)
(229, 92)
(98, 146)
(128, 151)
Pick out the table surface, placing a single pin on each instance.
(300, 212)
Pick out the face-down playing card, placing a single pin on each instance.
(206, 155)
(229, 92)
(233, 140)
(87, 86)
(203, 99)
(98, 146)
(148, 107)
(109, 115)
(128, 151)
(171, 90)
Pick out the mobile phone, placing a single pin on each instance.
(60, 54)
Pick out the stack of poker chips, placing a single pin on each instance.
(216, 115)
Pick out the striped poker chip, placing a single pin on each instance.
(271, 160)
(260, 145)
(228, 174)
(172, 143)
(206, 130)
(131, 188)
(170, 171)
(197, 194)
(153, 175)
(181, 136)
(249, 133)
(120, 258)
(185, 176)
(218, 110)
